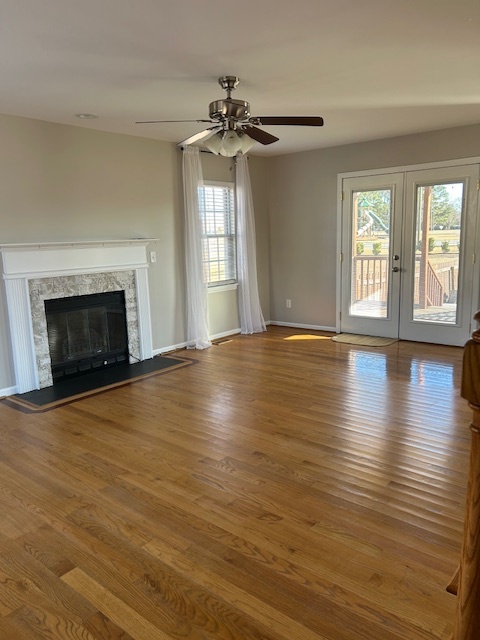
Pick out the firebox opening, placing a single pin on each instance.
(86, 333)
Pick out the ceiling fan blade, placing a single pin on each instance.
(260, 136)
(198, 136)
(159, 121)
(302, 121)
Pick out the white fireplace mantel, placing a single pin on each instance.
(25, 264)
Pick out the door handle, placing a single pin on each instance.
(395, 269)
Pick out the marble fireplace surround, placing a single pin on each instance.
(34, 273)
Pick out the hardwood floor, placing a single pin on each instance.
(286, 487)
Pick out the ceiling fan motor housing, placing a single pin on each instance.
(229, 109)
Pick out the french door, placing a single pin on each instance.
(408, 254)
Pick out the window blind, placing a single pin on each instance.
(217, 211)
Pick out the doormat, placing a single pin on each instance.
(67, 391)
(365, 341)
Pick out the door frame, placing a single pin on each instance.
(404, 169)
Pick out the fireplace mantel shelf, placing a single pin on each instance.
(22, 246)
(41, 260)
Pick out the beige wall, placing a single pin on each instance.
(60, 182)
(303, 213)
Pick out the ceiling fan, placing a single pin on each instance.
(235, 129)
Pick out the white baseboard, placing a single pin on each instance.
(182, 345)
(8, 391)
(295, 325)
(173, 347)
(225, 334)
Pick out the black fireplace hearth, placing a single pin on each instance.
(86, 333)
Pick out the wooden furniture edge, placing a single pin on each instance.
(467, 621)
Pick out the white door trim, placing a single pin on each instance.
(409, 167)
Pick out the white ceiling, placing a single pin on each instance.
(371, 68)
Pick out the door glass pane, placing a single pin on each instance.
(372, 212)
(438, 225)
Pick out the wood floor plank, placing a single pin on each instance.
(9, 629)
(28, 582)
(112, 607)
(287, 487)
(102, 628)
(43, 622)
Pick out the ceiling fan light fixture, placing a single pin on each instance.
(232, 144)
(228, 143)
(214, 142)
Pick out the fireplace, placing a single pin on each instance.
(86, 333)
(35, 275)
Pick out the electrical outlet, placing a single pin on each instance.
(288, 303)
(153, 256)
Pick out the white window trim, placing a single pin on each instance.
(212, 288)
(219, 183)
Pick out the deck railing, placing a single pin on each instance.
(371, 274)
(434, 288)
(447, 273)
(371, 278)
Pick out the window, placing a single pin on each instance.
(217, 211)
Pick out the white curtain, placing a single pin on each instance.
(251, 317)
(197, 309)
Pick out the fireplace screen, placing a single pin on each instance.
(86, 333)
